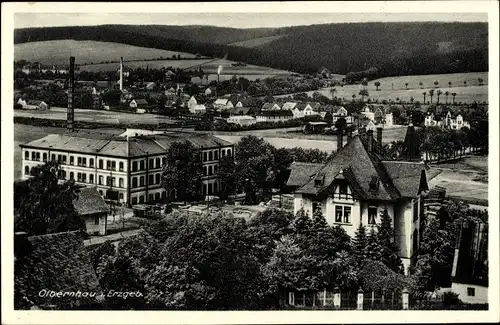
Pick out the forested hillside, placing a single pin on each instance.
(393, 48)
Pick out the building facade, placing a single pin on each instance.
(356, 186)
(127, 168)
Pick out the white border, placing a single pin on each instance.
(152, 317)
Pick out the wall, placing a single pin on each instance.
(92, 228)
(481, 293)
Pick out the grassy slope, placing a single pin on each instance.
(395, 48)
(255, 42)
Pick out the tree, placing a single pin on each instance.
(425, 94)
(328, 118)
(353, 96)
(406, 85)
(449, 84)
(363, 93)
(436, 83)
(377, 84)
(439, 92)
(227, 177)
(387, 240)
(373, 249)
(333, 91)
(447, 93)
(360, 243)
(112, 97)
(183, 171)
(480, 80)
(340, 125)
(42, 205)
(465, 82)
(421, 84)
(453, 94)
(431, 94)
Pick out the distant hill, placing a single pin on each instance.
(393, 48)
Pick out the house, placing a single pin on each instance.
(198, 109)
(356, 185)
(241, 120)
(227, 102)
(274, 116)
(92, 208)
(191, 103)
(270, 107)
(53, 263)
(455, 121)
(470, 265)
(379, 113)
(289, 106)
(341, 112)
(22, 102)
(135, 103)
(37, 104)
(300, 174)
(305, 109)
(208, 92)
(240, 111)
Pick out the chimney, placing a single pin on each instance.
(121, 73)
(379, 137)
(370, 140)
(340, 139)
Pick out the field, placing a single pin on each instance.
(59, 113)
(394, 87)
(58, 52)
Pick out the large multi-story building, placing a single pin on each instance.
(125, 168)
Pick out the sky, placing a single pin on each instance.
(234, 20)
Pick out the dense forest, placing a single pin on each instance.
(392, 48)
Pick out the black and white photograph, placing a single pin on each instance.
(321, 159)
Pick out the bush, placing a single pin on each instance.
(451, 298)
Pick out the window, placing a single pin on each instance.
(215, 169)
(317, 206)
(141, 199)
(134, 166)
(204, 156)
(101, 164)
(134, 200)
(91, 178)
(71, 160)
(471, 292)
(338, 213)
(79, 161)
(33, 155)
(229, 152)
(343, 189)
(108, 164)
(157, 196)
(210, 170)
(38, 156)
(120, 182)
(347, 214)
(96, 220)
(223, 153)
(150, 197)
(113, 165)
(91, 162)
(151, 164)
(158, 163)
(157, 178)
(53, 157)
(372, 215)
(71, 175)
(205, 171)
(121, 196)
(84, 161)
(415, 210)
(216, 155)
(141, 165)
(100, 192)
(26, 170)
(100, 180)
(342, 214)
(141, 181)
(64, 159)
(151, 179)
(120, 166)
(134, 182)
(210, 156)
(27, 155)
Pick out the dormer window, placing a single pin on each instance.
(319, 180)
(374, 183)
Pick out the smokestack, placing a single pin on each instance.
(370, 140)
(379, 137)
(121, 73)
(71, 85)
(340, 139)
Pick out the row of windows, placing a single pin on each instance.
(209, 170)
(214, 154)
(153, 164)
(156, 197)
(343, 213)
(120, 195)
(82, 178)
(140, 181)
(81, 161)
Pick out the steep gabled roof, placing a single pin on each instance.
(57, 262)
(408, 177)
(301, 173)
(89, 201)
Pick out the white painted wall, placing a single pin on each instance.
(480, 294)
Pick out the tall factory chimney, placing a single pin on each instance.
(121, 73)
(71, 85)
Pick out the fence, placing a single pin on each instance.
(371, 300)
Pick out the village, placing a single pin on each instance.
(289, 192)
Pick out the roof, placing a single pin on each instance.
(141, 101)
(268, 106)
(57, 262)
(407, 176)
(118, 146)
(276, 113)
(242, 117)
(289, 105)
(35, 102)
(89, 201)
(239, 110)
(220, 101)
(301, 173)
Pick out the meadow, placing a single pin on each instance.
(58, 52)
(394, 87)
